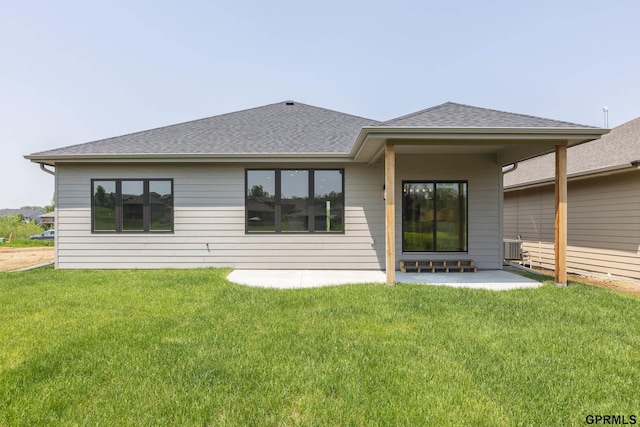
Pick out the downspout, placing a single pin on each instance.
(47, 170)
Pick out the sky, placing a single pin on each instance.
(79, 71)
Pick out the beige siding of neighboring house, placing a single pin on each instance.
(603, 224)
(209, 224)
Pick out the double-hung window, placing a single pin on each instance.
(434, 216)
(294, 200)
(132, 205)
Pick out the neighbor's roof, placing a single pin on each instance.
(615, 150)
(27, 213)
(451, 114)
(288, 128)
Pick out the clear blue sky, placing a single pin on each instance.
(73, 72)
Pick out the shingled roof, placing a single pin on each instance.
(615, 150)
(283, 127)
(289, 128)
(451, 114)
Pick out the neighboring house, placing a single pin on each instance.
(48, 220)
(603, 205)
(28, 214)
(293, 186)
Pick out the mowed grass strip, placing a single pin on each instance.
(186, 347)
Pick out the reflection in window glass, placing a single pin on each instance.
(104, 205)
(294, 196)
(132, 205)
(160, 206)
(434, 216)
(328, 200)
(451, 224)
(261, 200)
(417, 217)
(295, 200)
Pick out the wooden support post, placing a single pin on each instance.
(390, 211)
(561, 216)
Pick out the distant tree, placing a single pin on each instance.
(258, 191)
(52, 206)
(100, 195)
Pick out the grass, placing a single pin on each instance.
(26, 243)
(189, 348)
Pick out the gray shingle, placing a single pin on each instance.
(287, 127)
(451, 114)
(284, 127)
(618, 148)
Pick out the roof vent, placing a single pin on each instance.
(288, 103)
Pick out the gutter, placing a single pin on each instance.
(576, 176)
(190, 157)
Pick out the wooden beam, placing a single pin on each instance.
(390, 211)
(561, 216)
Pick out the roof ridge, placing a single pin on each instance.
(332, 111)
(415, 113)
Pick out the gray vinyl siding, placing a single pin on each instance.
(603, 224)
(484, 178)
(209, 224)
(209, 218)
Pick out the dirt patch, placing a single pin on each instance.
(620, 285)
(15, 258)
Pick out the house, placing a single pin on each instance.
(603, 205)
(48, 220)
(27, 214)
(293, 186)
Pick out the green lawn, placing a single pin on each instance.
(188, 348)
(26, 243)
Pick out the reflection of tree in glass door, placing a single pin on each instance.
(434, 216)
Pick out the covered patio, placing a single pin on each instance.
(501, 141)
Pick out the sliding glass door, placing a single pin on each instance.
(434, 216)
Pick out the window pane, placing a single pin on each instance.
(104, 205)
(160, 206)
(261, 200)
(294, 196)
(132, 205)
(417, 217)
(451, 222)
(329, 200)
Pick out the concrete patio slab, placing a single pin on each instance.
(497, 280)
